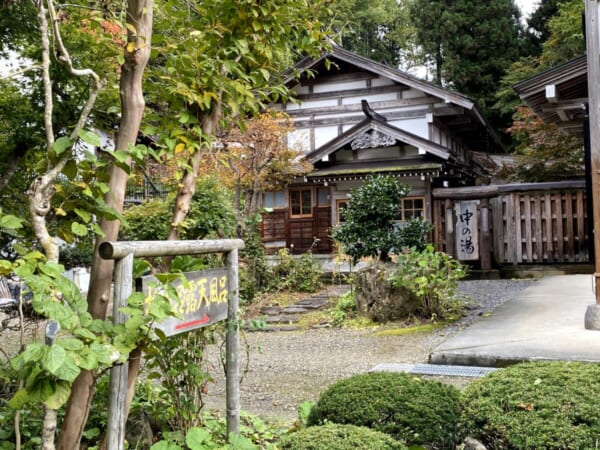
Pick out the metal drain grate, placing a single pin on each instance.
(435, 369)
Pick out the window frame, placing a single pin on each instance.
(300, 190)
(401, 217)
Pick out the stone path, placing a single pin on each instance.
(286, 318)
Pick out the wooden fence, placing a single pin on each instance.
(536, 223)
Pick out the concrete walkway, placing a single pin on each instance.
(544, 322)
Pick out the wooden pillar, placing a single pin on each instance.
(593, 63)
(485, 238)
(232, 347)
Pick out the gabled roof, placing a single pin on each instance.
(564, 102)
(373, 124)
(337, 53)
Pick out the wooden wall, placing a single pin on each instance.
(541, 223)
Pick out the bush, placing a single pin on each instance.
(339, 437)
(302, 274)
(406, 407)
(535, 405)
(415, 234)
(432, 276)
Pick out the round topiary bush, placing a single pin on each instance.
(404, 406)
(339, 437)
(550, 405)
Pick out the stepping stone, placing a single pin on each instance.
(271, 310)
(282, 319)
(294, 310)
(313, 301)
(307, 306)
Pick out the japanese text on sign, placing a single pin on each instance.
(467, 238)
(201, 303)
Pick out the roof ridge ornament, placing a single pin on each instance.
(370, 112)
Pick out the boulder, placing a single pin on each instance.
(378, 300)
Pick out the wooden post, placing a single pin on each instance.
(115, 433)
(232, 393)
(592, 317)
(123, 253)
(485, 246)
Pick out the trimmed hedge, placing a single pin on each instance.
(339, 437)
(404, 406)
(549, 405)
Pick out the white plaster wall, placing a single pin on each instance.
(311, 104)
(334, 87)
(299, 139)
(381, 81)
(412, 93)
(371, 98)
(325, 134)
(415, 126)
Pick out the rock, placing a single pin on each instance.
(270, 310)
(473, 444)
(294, 310)
(138, 431)
(378, 300)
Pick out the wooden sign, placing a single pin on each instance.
(467, 237)
(201, 303)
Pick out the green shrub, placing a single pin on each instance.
(415, 234)
(302, 274)
(406, 407)
(339, 437)
(345, 307)
(432, 276)
(549, 405)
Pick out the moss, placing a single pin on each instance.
(420, 412)
(339, 437)
(550, 405)
(425, 328)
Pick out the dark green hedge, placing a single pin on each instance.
(406, 407)
(339, 437)
(541, 405)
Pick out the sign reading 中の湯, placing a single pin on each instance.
(201, 303)
(467, 237)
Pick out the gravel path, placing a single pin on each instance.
(287, 368)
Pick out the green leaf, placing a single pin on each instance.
(62, 144)
(60, 396)
(241, 442)
(19, 400)
(165, 445)
(79, 229)
(85, 216)
(69, 370)
(86, 359)
(54, 359)
(84, 334)
(89, 137)
(11, 222)
(5, 267)
(70, 344)
(70, 169)
(197, 437)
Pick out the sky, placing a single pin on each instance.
(527, 6)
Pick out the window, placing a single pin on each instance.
(301, 202)
(411, 207)
(323, 196)
(273, 199)
(341, 206)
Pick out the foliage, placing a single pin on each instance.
(371, 28)
(408, 408)
(566, 40)
(254, 271)
(368, 227)
(210, 215)
(469, 44)
(339, 437)
(543, 152)
(345, 307)
(301, 274)
(77, 254)
(258, 158)
(432, 276)
(535, 405)
(254, 435)
(177, 364)
(415, 233)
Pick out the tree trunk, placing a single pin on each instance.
(139, 15)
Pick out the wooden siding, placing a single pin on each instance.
(524, 227)
(299, 234)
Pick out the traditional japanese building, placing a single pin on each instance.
(355, 117)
